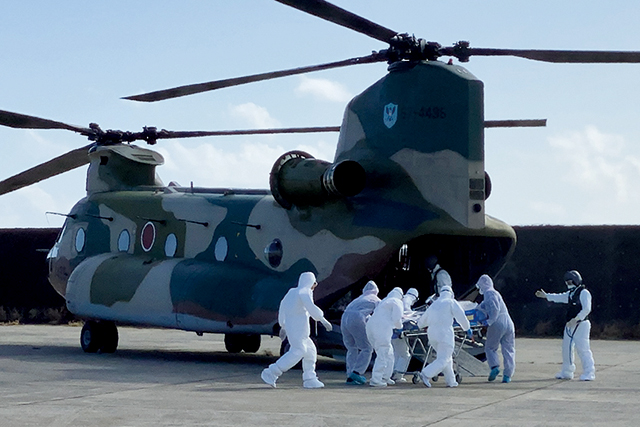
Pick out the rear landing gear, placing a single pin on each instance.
(235, 343)
(99, 337)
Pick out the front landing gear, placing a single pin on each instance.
(99, 337)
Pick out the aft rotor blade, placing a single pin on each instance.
(195, 134)
(526, 123)
(22, 121)
(177, 92)
(563, 56)
(66, 162)
(332, 13)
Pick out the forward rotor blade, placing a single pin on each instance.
(563, 56)
(22, 121)
(165, 134)
(194, 134)
(66, 162)
(219, 84)
(337, 15)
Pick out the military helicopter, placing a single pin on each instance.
(408, 177)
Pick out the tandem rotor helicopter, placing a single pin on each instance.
(407, 181)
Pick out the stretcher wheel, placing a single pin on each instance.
(416, 379)
(458, 378)
(435, 379)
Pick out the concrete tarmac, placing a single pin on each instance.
(175, 378)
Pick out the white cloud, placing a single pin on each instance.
(32, 203)
(323, 89)
(209, 166)
(323, 150)
(598, 175)
(247, 167)
(596, 161)
(255, 115)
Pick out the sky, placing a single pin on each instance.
(73, 60)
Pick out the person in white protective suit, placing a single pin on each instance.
(439, 277)
(385, 318)
(577, 329)
(438, 318)
(400, 347)
(293, 316)
(354, 333)
(500, 331)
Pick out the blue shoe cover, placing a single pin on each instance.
(494, 373)
(357, 379)
(506, 379)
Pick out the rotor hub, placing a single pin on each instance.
(403, 47)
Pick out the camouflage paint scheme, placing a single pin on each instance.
(209, 260)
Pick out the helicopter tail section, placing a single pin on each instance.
(420, 131)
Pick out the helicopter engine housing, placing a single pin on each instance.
(122, 167)
(297, 178)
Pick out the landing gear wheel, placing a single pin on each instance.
(109, 333)
(99, 337)
(251, 343)
(90, 337)
(233, 342)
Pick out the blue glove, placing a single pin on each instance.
(480, 317)
(396, 333)
(469, 334)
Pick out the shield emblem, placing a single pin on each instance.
(390, 115)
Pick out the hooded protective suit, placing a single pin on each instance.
(400, 348)
(438, 318)
(353, 328)
(500, 330)
(293, 316)
(386, 317)
(576, 331)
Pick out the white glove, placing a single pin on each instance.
(541, 293)
(327, 325)
(571, 324)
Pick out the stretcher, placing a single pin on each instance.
(465, 361)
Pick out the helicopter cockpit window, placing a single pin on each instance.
(124, 240)
(171, 245)
(80, 239)
(274, 253)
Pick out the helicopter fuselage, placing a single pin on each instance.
(409, 169)
(215, 261)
